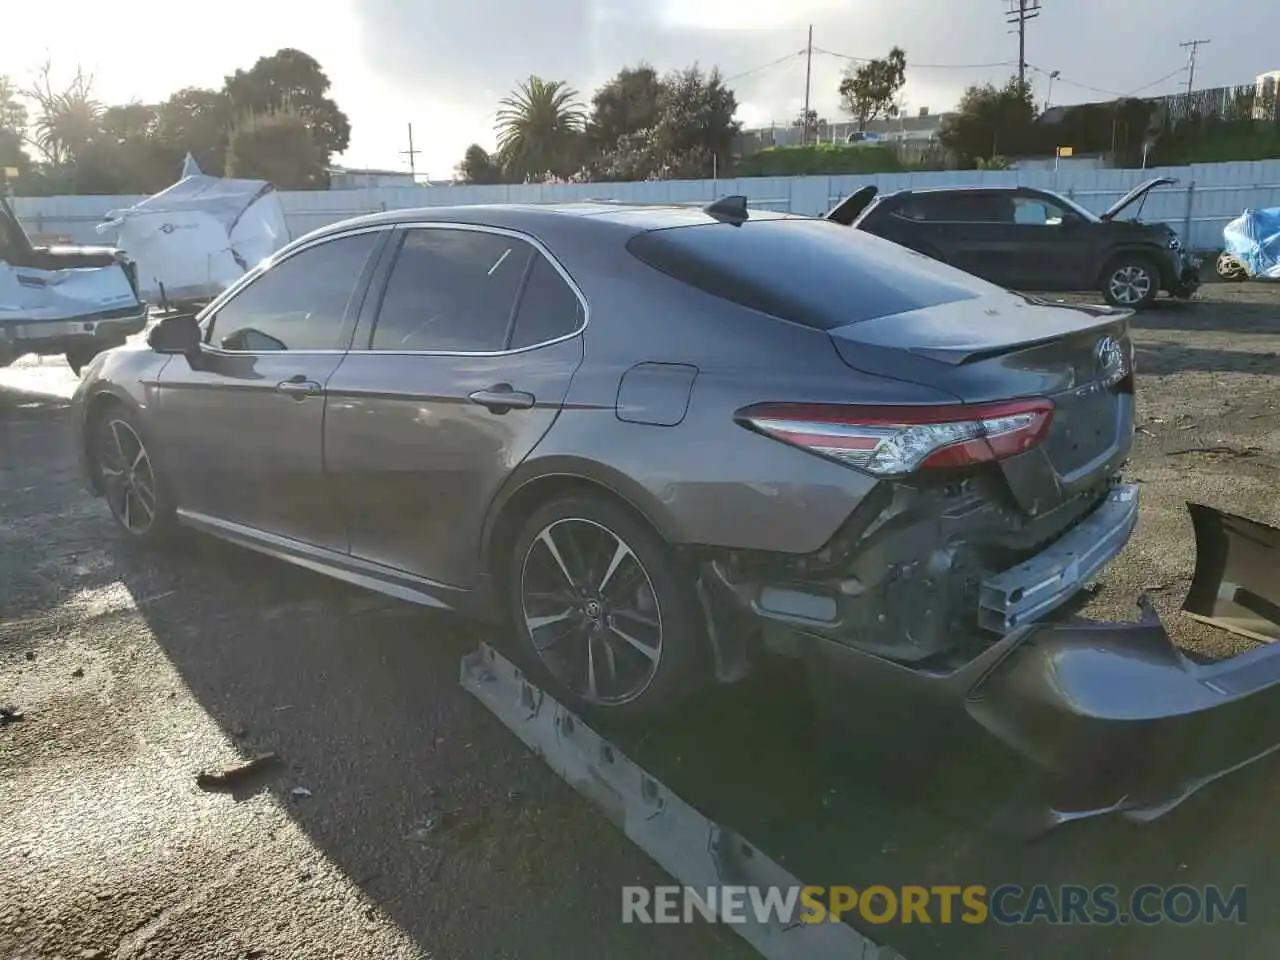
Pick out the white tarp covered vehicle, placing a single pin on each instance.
(194, 239)
(76, 301)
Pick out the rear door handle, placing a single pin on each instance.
(299, 387)
(502, 397)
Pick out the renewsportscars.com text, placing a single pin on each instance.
(1007, 904)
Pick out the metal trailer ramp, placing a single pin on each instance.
(696, 851)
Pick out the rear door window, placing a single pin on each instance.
(811, 272)
(451, 291)
(549, 309)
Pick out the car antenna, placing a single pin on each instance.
(731, 209)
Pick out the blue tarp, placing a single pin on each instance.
(1254, 240)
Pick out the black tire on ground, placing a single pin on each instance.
(79, 355)
(554, 589)
(1131, 281)
(125, 469)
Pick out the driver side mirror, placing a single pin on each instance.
(180, 334)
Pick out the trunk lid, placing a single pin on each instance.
(1006, 346)
(853, 206)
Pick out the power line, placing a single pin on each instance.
(1019, 12)
(765, 66)
(1194, 46)
(808, 74)
(918, 66)
(1110, 93)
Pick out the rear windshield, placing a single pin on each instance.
(812, 272)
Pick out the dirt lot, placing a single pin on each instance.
(425, 829)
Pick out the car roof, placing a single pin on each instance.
(991, 188)
(620, 218)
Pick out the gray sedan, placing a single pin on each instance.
(661, 443)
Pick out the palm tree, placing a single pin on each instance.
(68, 120)
(538, 128)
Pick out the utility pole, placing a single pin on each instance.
(808, 73)
(1019, 12)
(1194, 47)
(411, 153)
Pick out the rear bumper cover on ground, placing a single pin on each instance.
(1113, 715)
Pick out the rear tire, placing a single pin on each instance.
(602, 609)
(125, 470)
(79, 355)
(1131, 281)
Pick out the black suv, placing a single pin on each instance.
(1028, 239)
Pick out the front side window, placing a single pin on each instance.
(298, 304)
(450, 291)
(1038, 211)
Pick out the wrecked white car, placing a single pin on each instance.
(76, 301)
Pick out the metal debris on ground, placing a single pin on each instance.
(300, 793)
(10, 715)
(1221, 449)
(78, 672)
(236, 776)
(697, 852)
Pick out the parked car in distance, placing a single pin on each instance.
(1029, 239)
(661, 443)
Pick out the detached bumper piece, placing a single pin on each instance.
(1120, 719)
(698, 853)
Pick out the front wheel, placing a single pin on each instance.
(1130, 281)
(128, 476)
(601, 609)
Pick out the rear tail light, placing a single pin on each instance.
(890, 441)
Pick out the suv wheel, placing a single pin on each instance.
(601, 609)
(1130, 281)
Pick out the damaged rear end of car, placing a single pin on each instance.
(948, 594)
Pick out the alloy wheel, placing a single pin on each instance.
(1131, 284)
(128, 477)
(591, 611)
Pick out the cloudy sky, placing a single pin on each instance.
(442, 64)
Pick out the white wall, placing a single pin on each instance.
(1205, 199)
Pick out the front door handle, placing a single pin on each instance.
(502, 397)
(299, 387)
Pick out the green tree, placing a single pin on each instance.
(626, 105)
(13, 130)
(293, 82)
(277, 146)
(196, 121)
(870, 92)
(68, 119)
(991, 121)
(539, 129)
(478, 167)
(696, 129)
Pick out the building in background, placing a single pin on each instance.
(1264, 95)
(348, 178)
(921, 127)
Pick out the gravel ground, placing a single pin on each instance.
(425, 829)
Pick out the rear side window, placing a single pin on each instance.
(451, 291)
(960, 207)
(549, 308)
(811, 272)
